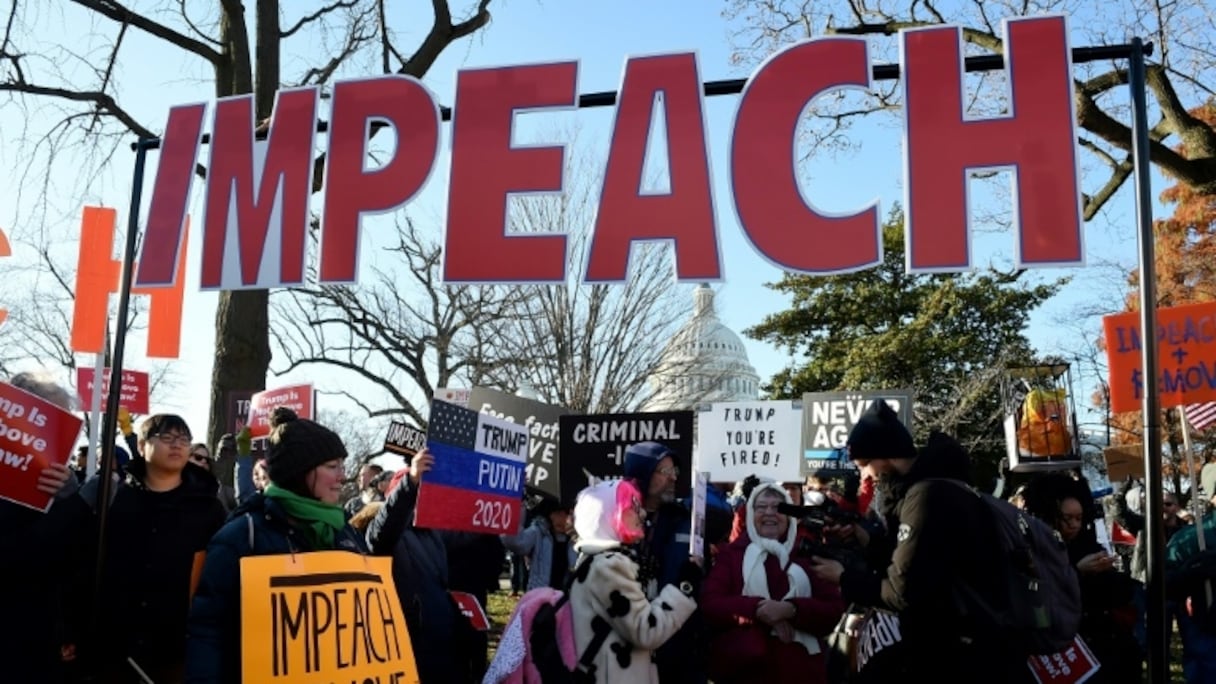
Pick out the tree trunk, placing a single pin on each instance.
(242, 321)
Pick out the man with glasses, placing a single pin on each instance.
(664, 552)
(161, 516)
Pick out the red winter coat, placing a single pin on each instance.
(742, 649)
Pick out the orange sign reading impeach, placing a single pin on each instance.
(1186, 356)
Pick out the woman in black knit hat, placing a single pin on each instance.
(297, 512)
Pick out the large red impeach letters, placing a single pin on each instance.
(257, 202)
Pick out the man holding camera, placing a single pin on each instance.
(939, 536)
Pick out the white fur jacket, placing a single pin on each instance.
(607, 599)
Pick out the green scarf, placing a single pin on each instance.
(321, 520)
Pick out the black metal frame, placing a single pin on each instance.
(1134, 52)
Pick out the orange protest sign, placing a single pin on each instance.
(97, 277)
(34, 433)
(323, 618)
(1186, 356)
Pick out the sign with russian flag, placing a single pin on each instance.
(477, 482)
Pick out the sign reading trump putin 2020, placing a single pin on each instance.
(257, 202)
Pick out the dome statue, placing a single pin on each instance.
(704, 362)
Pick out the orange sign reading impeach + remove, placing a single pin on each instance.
(1186, 356)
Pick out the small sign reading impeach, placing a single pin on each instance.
(330, 617)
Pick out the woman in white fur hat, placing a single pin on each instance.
(768, 612)
(615, 627)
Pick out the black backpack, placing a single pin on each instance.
(1039, 609)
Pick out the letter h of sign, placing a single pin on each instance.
(97, 275)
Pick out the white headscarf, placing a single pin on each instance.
(755, 578)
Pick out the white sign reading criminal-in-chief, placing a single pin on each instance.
(740, 438)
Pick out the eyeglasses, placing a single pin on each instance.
(670, 471)
(766, 508)
(171, 439)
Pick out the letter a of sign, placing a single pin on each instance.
(1037, 140)
(97, 275)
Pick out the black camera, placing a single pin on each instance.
(819, 515)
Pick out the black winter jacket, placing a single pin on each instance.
(420, 573)
(152, 543)
(259, 527)
(942, 534)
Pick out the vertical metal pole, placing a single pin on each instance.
(110, 421)
(1158, 633)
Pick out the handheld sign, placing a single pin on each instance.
(477, 482)
(828, 417)
(594, 446)
(34, 433)
(323, 617)
(298, 398)
(404, 440)
(471, 608)
(1186, 356)
(133, 395)
(543, 472)
(741, 438)
(1073, 665)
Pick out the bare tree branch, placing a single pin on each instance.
(308, 19)
(116, 11)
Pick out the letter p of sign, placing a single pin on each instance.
(97, 275)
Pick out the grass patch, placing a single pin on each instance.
(500, 605)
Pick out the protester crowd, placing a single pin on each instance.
(788, 570)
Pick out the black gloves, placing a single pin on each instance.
(689, 580)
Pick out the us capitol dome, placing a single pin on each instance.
(704, 362)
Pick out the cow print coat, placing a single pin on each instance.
(609, 607)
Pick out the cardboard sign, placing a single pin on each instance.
(1186, 356)
(740, 438)
(544, 465)
(404, 440)
(133, 395)
(1074, 665)
(827, 418)
(477, 482)
(593, 446)
(1122, 461)
(34, 433)
(471, 609)
(700, 492)
(323, 618)
(298, 398)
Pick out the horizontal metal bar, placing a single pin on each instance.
(734, 86)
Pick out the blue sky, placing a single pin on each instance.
(601, 36)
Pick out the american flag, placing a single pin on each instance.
(452, 424)
(1200, 416)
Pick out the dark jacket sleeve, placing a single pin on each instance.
(914, 573)
(395, 517)
(213, 641)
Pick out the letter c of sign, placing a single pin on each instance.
(5, 251)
